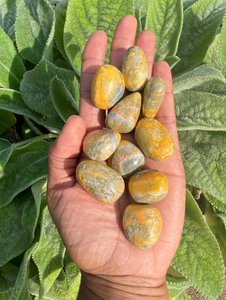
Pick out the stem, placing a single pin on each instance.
(37, 138)
(32, 126)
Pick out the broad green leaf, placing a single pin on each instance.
(165, 19)
(197, 110)
(63, 102)
(20, 290)
(26, 165)
(73, 277)
(17, 225)
(33, 280)
(8, 275)
(7, 120)
(172, 60)
(140, 12)
(8, 11)
(223, 41)
(11, 100)
(198, 77)
(215, 202)
(203, 154)
(11, 65)
(213, 54)
(193, 259)
(58, 289)
(60, 12)
(200, 25)
(35, 86)
(34, 26)
(73, 288)
(6, 149)
(38, 189)
(85, 17)
(49, 254)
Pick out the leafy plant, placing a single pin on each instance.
(40, 60)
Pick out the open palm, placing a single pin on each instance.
(92, 231)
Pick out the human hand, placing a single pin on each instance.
(112, 268)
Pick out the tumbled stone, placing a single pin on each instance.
(127, 159)
(100, 181)
(100, 144)
(108, 87)
(154, 139)
(142, 225)
(135, 69)
(153, 95)
(123, 117)
(148, 186)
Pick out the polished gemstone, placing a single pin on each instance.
(154, 139)
(108, 87)
(127, 159)
(100, 144)
(135, 69)
(123, 117)
(142, 225)
(100, 181)
(153, 95)
(148, 186)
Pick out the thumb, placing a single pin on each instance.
(63, 153)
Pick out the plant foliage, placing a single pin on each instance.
(41, 46)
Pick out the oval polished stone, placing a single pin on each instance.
(127, 159)
(100, 144)
(135, 69)
(100, 181)
(148, 186)
(108, 87)
(124, 115)
(154, 139)
(153, 95)
(142, 225)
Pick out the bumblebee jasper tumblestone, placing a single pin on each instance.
(142, 225)
(127, 159)
(100, 144)
(100, 181)
(108, 87)
(148, 186)
(153, 95)
(154, 139)
(135, 69)
(124, 115)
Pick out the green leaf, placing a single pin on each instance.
(8, 11)
(26, 165)
(20, 290)
(85, 17)
(197, 110)
(49, 254)
(213, 54)
(63, 102)
(35, 86)
(35, 30)
(204, 154)
(140, 12)
(11, 65)
(60, 12)
(193, 259)
(17, 222)
(165, 19)
(6, 149)
(223, 40)
(187, 3)
(175, 294)
(215, 202)
(73, 277)
(200, 26)
(172, 60)
(7, 120)
(198, 77)
(8, 275)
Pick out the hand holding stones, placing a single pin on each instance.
(142, 223)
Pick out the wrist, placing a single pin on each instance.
(104, 287)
